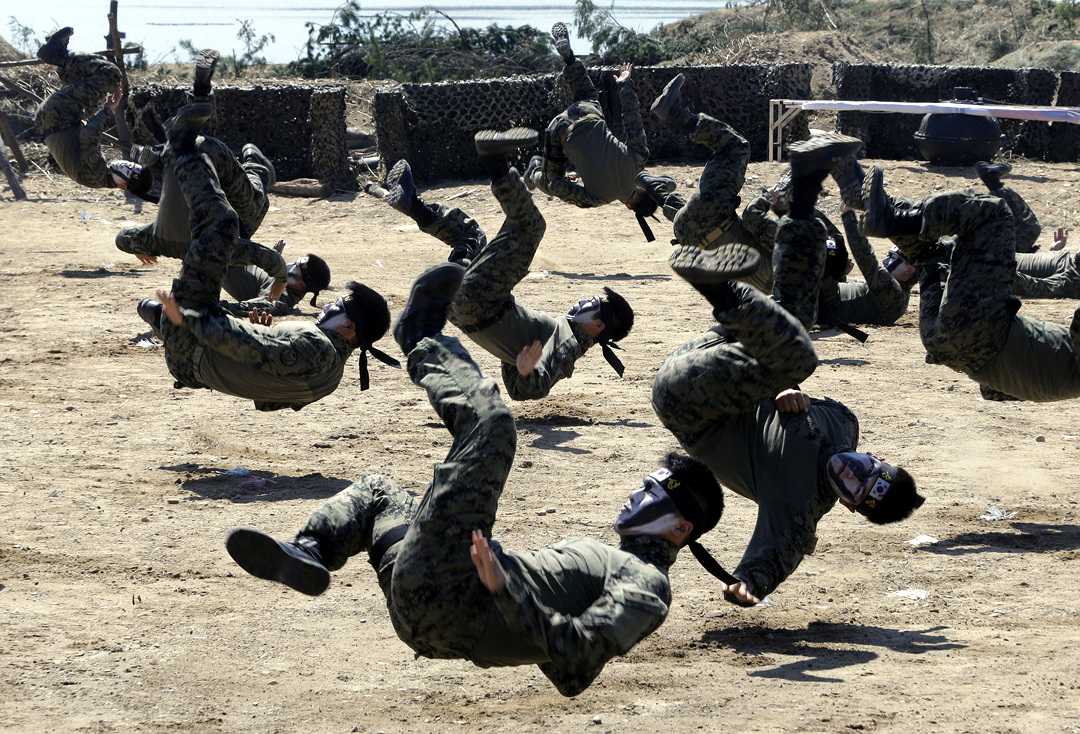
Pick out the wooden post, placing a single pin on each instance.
(8, 136)
(120, 114)
(12, 180)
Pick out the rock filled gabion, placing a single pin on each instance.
(432, 125)
(300, 128)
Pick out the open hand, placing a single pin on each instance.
(491, 572)
(624, 72)
(529, 357)
(171, 307)
(146, 259)
(276, 290)
(260, 317)
(740, 592)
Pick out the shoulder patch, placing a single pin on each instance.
(644, 600)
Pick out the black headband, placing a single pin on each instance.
(377, 354)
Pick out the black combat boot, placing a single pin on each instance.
(251, 153)
(990, 173)
(205, 64)
(424, 314)
(881, 218)
(55, 50)
(186, 126)
(668, 105)
(298, 564)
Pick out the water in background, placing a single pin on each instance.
(157, 26)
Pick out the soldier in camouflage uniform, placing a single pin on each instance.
(727, 398)
(245, 185)
(537, 349)
(730, 398)
(968, 317)
(1054, 274)
(277, 366)
(605, 165)
(452, 593)
(709, 217)
(252, 287)
(882, 297)
(74, 144)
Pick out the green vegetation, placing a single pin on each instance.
(422, 46)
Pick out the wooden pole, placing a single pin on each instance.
(9, 138)
(37, 62)
(120, 114)
(13, 181)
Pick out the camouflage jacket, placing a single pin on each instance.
(581, 603)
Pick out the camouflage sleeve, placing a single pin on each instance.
(757, 221)
(578, 647)
(632, 123)
(889, 295)
(275, 308)
(96, 124)
(782, 536)
(1058, 285)
(283, 353)
(265, 258)
(572, 193)
(557, 362)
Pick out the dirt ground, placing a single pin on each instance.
(123, 613)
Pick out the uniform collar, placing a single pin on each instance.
(652, 549)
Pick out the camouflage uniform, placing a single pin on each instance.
(605, 165)
(716, 395)
(760, 224)
(798, 267)
(1025, 223)
(569, 608)
(245, 186)
(879, 299)
(455, 228)
(969, 321)
(251, 285)
(282, 366)
(486, 310)
(711, 209)
(1047, 275)
(59, 119)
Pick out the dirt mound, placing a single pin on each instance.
(820, 48)
(9, 52)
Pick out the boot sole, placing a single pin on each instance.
(727, 262)
(874, 181)
(672, 88)
(821, 152)
(263, 557)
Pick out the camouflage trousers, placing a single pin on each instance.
(762, 350)
(87, 81)
(436, 601)
(485, 291)
(551, 177)
(214, 230)
(887, 293)
(456, 229)
(245, 186)
(717, 195)
(1055, 276)
(798, 265)
(965, 321)
(1025, 223)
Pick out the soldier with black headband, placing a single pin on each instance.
(968, 316)
(605, 165)
(730, 398)
(276, 365)
(73, 143)
(451, 591)
(537, 349)
(252, 287)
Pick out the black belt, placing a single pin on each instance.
(481, 325)
(385, 542)
(61, 129)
